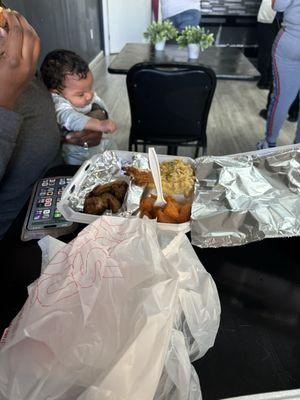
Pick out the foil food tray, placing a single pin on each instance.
(246, 197)
(104, 168)
(238, 198)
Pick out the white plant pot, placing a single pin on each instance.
(194, 50)
(159, 46)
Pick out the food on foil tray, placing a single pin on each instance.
(140, 177)
(109, 196)
(177, 178)
(173, 212)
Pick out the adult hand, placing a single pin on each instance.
(20, 48)
(79, 138)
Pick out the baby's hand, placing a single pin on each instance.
(108, 126)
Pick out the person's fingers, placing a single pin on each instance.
(81, 137)
(14, 42)
(3, 33)
(92, 138)
(37, 49)
(31, 42)
(72, 140)
(74, 135)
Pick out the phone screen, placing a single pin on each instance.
(44, 213)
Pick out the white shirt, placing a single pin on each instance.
(174, 7)
(266, 14)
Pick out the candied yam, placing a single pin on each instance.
(169, 199)
(147, 203)
(147, 214)
(155, 211)
(171, 211)
(174, 202)
(162, 217)
(184, 213)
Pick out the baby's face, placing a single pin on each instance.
(78, 91)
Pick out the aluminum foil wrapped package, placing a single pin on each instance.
(101, 169)
(246, 197)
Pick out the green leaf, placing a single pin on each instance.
(195, 34)
(158, 31)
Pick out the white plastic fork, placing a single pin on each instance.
(155, 169)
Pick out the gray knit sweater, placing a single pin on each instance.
(29, 145)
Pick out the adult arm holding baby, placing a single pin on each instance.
(19, 49)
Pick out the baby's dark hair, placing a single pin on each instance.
(60, 63)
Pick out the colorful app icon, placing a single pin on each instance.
(57, 214)
(43, 192)
(38, 215)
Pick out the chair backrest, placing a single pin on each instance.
(170, 100)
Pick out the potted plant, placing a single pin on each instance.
(195, 38)
(159, 32)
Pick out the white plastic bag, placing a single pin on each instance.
(108, 314)
(195, 324)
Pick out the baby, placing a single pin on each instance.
(70, 81)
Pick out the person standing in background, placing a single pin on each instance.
(286, 71)
(268, 26)
(181, 12)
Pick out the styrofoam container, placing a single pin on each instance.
(75, 184)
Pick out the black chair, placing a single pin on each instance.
(169, 105)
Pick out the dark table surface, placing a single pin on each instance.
(227, 62)
(257, 348)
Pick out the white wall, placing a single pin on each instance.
(124, 22)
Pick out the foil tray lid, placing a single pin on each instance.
(246, 197)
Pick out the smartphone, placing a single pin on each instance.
(42, 216)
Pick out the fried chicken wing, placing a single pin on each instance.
(119, 189)
(116, 188)
(94, 205)
(109, 196)
(140, 177)
(100, 189)
(111, 202)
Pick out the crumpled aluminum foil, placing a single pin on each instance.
(135, 192)
(246, 197)
(108, 167)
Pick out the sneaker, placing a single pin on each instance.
(292, 118)
(263, 113)
(264, 144)
(261, 84)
